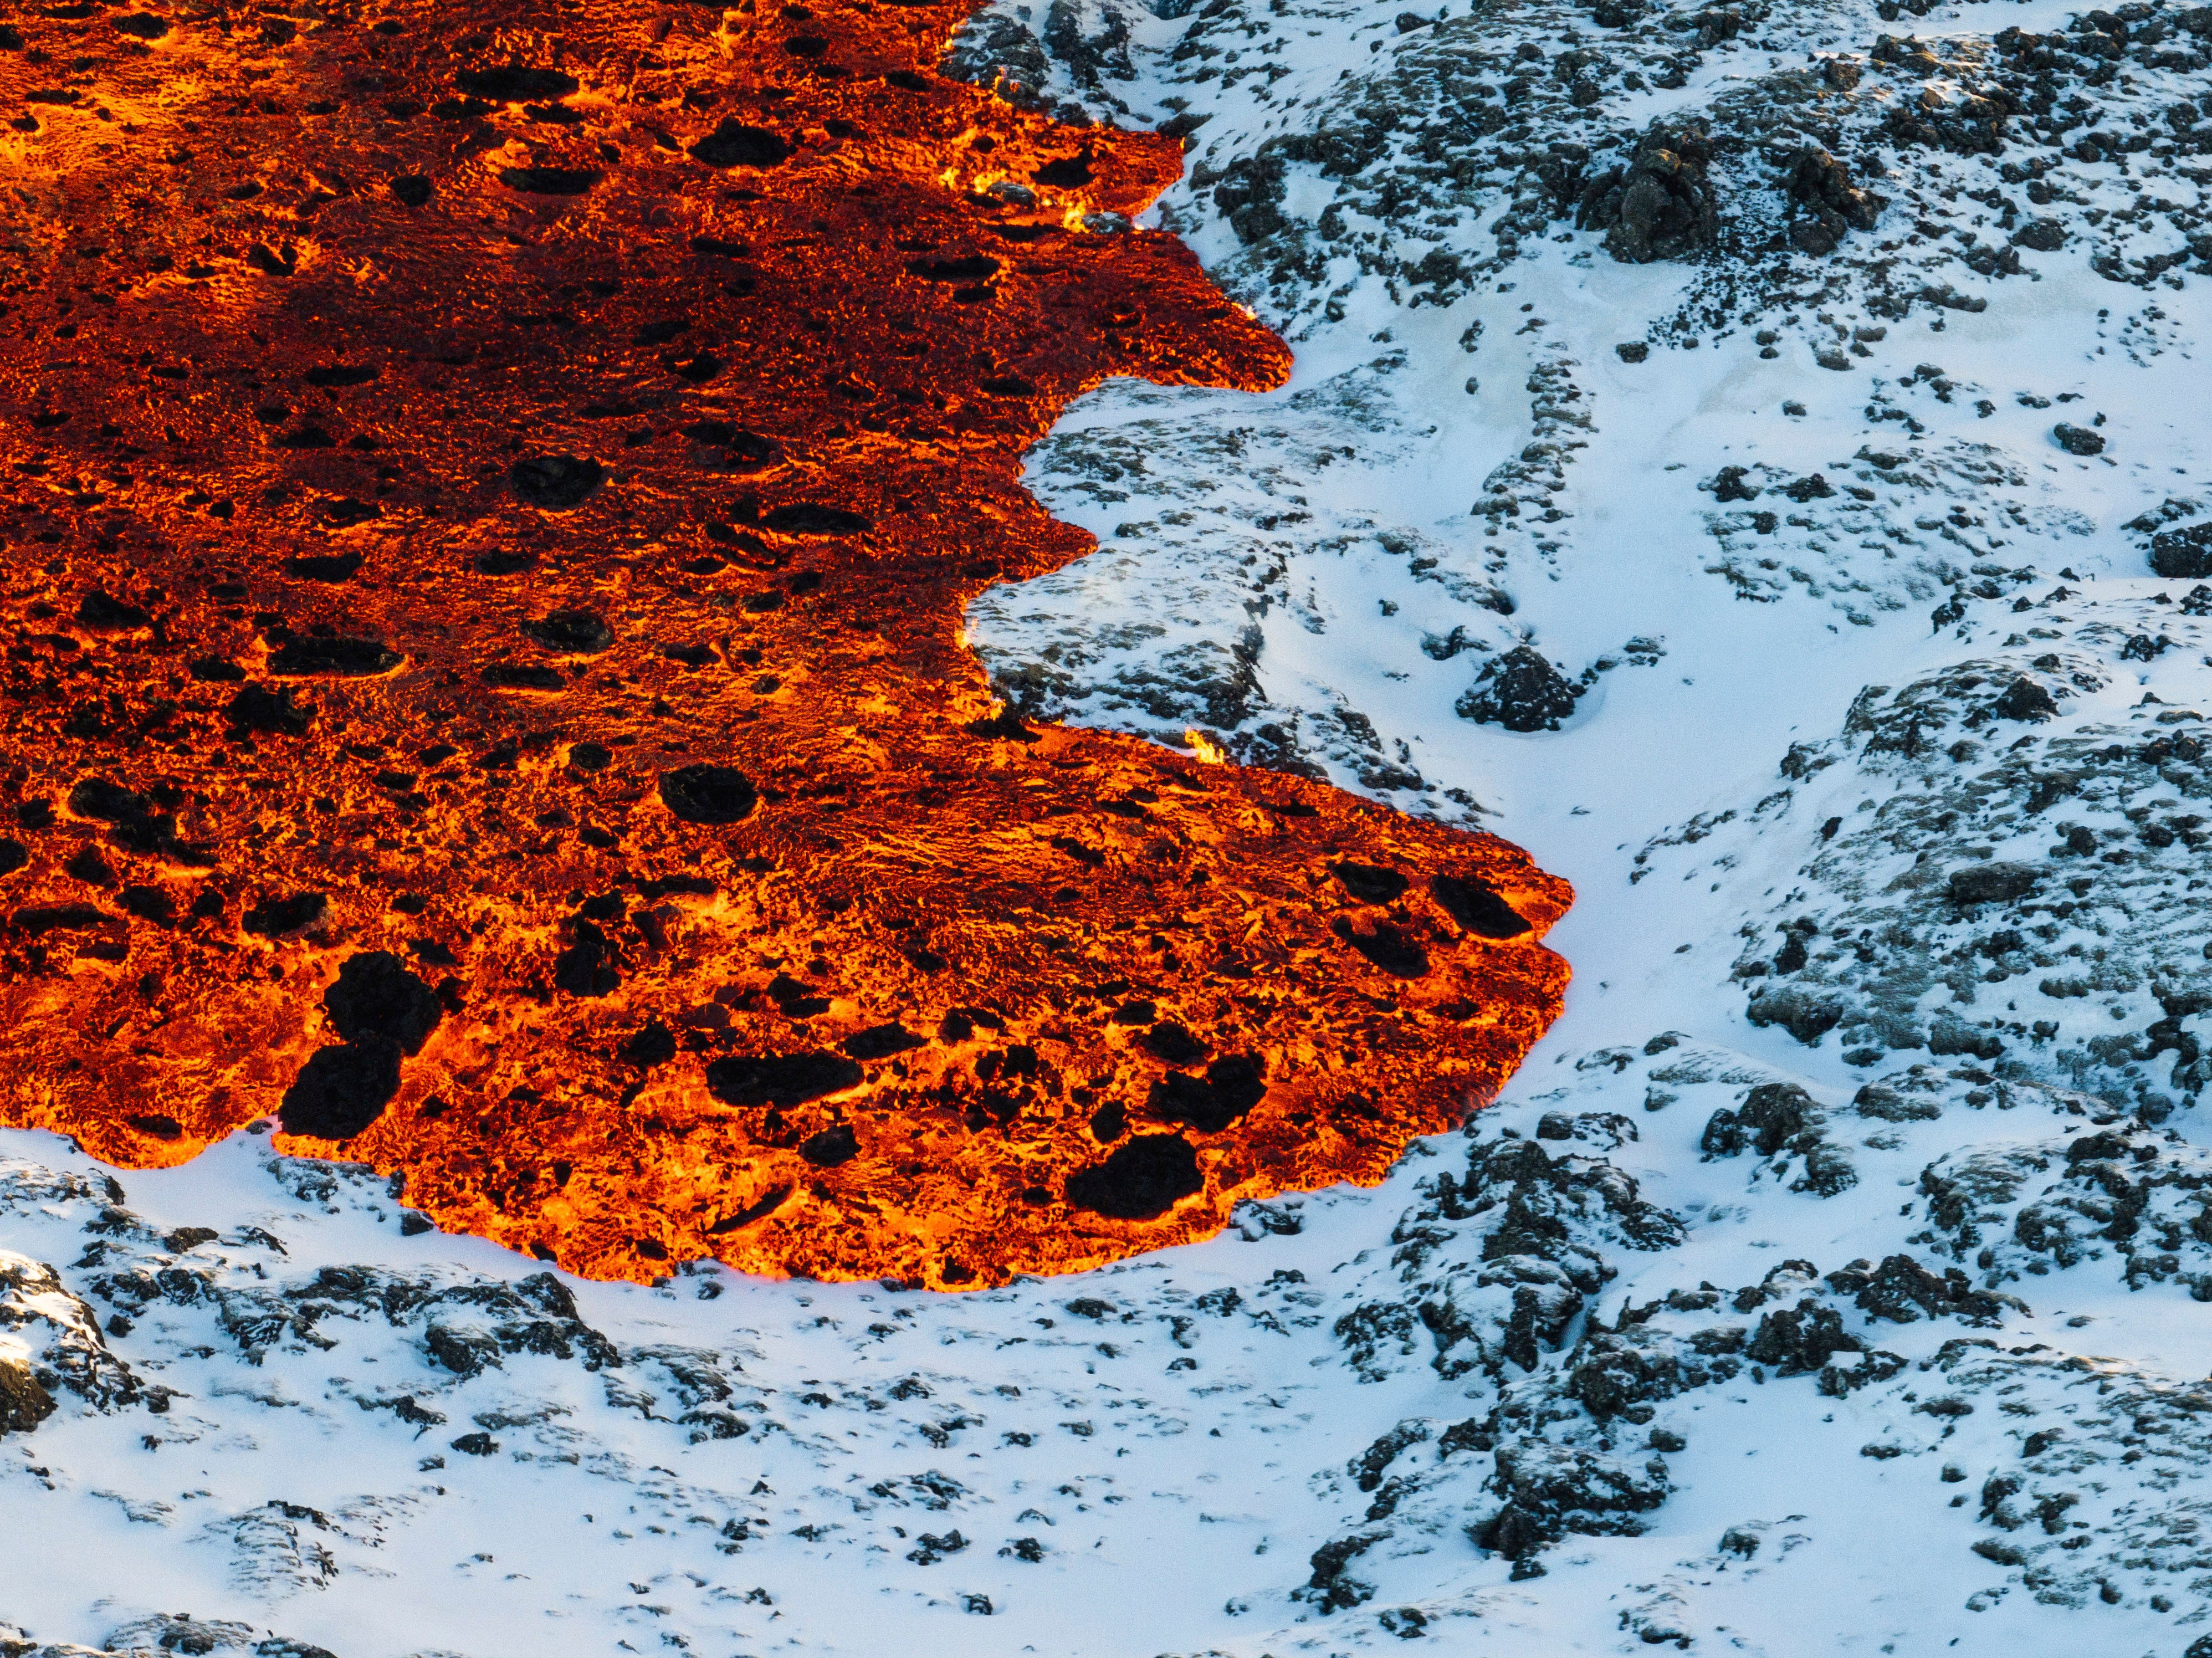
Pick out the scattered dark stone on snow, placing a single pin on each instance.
(1231, 1086)
(24, 1400)
(513, 83)
(410, 190)
(269, 918)
(1173, 1043)
(317, 658)
(556, 483)
(2025, 700)
(572, 633)
(708, 794)
(1660, 205)
(1140, 1179)
(1834, 204)
(2077, 440)
(833, 1146)
(332, 568)
(104, 611)
(342, 1089)
(1519, 690)
(1369, 883)
(1989, 884)
(2183, 554)
(1807, 1015)
(807, 518)
(1901, 1290)
(475, 1444)
(881, 1041)
(1468, 900)
(783, 1079)
(1633, 350)
(375, 997)
(2040, 235)
(732, 144)
(1800, 1340)
(1773, 1115)
(1387, 946)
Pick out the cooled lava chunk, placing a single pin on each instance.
(1468, 900)
(781, 1079)
(556, 483)
(708, 794)
(1142, 1179)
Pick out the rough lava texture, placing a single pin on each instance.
(488, 508)
(1823, 599)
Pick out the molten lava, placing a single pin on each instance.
(490, 493)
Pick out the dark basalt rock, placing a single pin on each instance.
(411, 190)
(556, 483)
(808, 518)
(107, 612)
(1468, 900)
(1833, 204)
(110, 802)
(1387, 946)
(708, 794)
(260, 708)
(524, 677)
(332, 568)
(347, 659)
(573, 632)
(342, 1089)
(732, 144)
(1521, 691)
(881, 1041)
(1143, 1178)
(13, 854)
(781, 1078)
(588, 966)
(1231, 1086)
(271, 918)
(1660, 205)
(1994, 882)
(513, 83)
(833, 1146)
(375, 997)
(2183, 554)
(2077, 440)
(1174, 1043)
(1367, 884)
(1800, 1340)
(24, 1401)
(655, 1044)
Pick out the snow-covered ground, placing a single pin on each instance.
(1834, 1277)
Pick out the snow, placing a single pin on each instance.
(1295, 1438)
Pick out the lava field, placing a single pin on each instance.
(488, 498)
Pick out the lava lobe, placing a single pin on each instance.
(487, 508)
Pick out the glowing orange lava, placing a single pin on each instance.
(489, 496)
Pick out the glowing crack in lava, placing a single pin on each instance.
(490, 492)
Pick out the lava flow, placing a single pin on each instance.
(490, 493)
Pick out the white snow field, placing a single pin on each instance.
(1750, 457)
